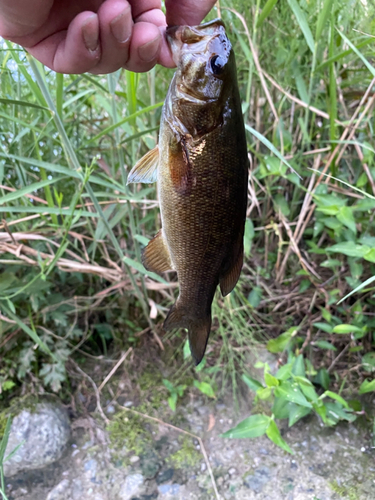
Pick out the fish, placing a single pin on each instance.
(201, 168)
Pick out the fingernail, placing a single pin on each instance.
(90, 32)
(122, 25)
(149, 50)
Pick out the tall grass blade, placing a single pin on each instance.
(270, 4)
(271, 147)
(33, 335)
(357, 52)
(303, 23)
(323, 17)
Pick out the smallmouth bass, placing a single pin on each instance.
(201, 165)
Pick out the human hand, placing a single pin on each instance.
(97, 36)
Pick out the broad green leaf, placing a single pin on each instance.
(172, 400)
(270, 380)
(6, 279)
(346, 216)
(322, 378)
(205, 388)
(186, 349)
(292, 393)
(370, 255)
(281, 204)
(168, 385)
(297, 412)
(248, 236)
(252, 427)
(343, 329)
(336, 397)
(336, 412)
(281, 342)
(255, 296)
(284, 372)
(273, 433)
(349, 248)
(264, 393)
(307, 388)
(368, 361)
(139, 267)
(281, 408)
(324, 327)
(323, 344)
(367, 386)
(299, 366)
(303, 23)
(252, 383)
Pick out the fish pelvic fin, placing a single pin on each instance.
(229, 279)
(146, 169)
(156, 256)
(198, 329)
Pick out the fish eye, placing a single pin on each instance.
(217, 65)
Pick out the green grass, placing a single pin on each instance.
(68, 142)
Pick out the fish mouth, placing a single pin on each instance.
(177, 36)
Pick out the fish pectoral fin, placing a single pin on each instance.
(156, 257)
(146, 169)
(198, 328)
(229, 279)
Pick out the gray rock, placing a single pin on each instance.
(132, 486)
(169, 489)
(43, 433)
(257, 480)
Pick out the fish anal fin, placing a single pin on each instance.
(156, 257)
(198, 329)
(146, 169)
(229, 279)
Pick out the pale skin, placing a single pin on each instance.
(97, 36)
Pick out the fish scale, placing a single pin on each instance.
(201, 166)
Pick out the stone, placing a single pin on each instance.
(132, 486)
(257, 480)
(164, 476)
(168, 489)
(42, 433)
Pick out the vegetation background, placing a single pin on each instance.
(75, 302)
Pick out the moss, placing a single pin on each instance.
(187, 456)
(349, 492)
(127, 432)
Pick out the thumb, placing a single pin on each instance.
(22, 17)
(190, 12)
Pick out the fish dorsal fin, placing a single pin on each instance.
(229, 279)
(156, 257)
(146, 169)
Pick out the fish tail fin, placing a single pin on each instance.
(198, 328)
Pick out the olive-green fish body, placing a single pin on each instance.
(202, 169)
